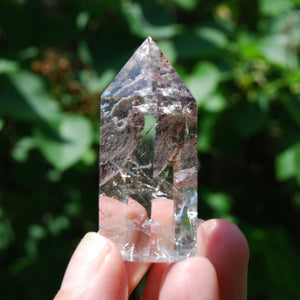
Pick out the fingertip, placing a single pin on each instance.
(135, 272)
(111, 281)
(153, 283)
(223, 243)
(86, 261)
(223, 233)
(195, 278)
(96, 270)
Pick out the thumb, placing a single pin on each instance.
(95, 271)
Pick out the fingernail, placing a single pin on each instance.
(86, 261)
(204, 231)
(209, 227)
(199, 222)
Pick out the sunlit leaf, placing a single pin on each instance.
(76, 136)
(220, 202)
(214, 103)
(168, 49)
(150, 20)
(89, 157)
(37, 232)
(8, 66)
(275, 7)
(287, 164)
(96, 83)
(84, 52)
(82, 19)
(186, 4)
(214, 35)
(1, 124)
(58, 224)
(24, 95)
(203, 81)
(275, 50)
(247, 46)
(21, 150)
(28, 53)
(73, 208)
(148, 132)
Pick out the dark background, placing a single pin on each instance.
(239, 58)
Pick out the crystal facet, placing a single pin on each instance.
(148, 160)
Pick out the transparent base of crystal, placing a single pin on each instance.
(168, 235)
(160, 257)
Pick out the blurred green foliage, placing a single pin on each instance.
(239, 58)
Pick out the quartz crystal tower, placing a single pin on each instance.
(148, 160)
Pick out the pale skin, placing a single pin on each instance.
(218, 272)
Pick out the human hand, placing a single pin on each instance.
(97, 271)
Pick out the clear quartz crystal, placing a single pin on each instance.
(148, 160)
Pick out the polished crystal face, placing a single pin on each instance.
(148, 160)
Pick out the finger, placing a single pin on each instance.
(122, 223)
(226, 247)
(162, 233)
(152, 288)
(135, 273)
(156, 273)
(194, 278)
(95, 271)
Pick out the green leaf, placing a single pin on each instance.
(148, 132)
(214, 103)
(76, 136)
(186, 4)
(287, 163)
(25, 96)
(275, 50)
(8, 66)
(1, 124)
(150, 19)
(275, 7)
(22, 147)
(247, 46)
(28, 53)
(285, 26)
(202, 41)
(58, 224)
(36, 231)
(219, 202)
(73, 208)
(297, 163)
(84, 52)
(89, 157)
(214, 35)
(35, 93)
(203, 81)
(168, 49)
(82, 19)
(95, 84)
